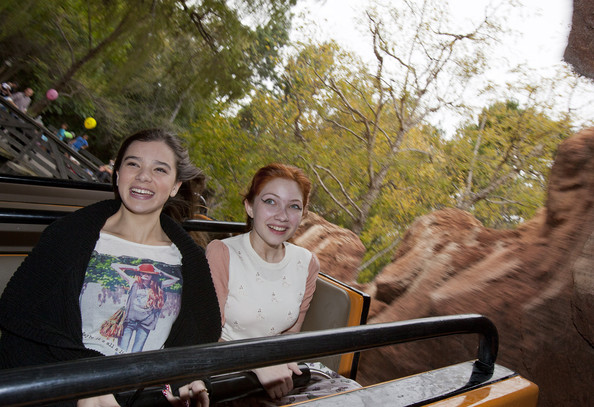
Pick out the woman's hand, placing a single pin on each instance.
(277, 380)
(107, 400)
(193, 394)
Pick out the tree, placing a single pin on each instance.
(365, 139)
(112, 59)
(421, 67)
(499, 166)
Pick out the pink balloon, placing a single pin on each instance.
(51, 94)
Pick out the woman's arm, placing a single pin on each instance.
(310, 287)
(107, 400)
(170, 279)
(195, 394)
(277, 380)
(120, 270)
(217, 254)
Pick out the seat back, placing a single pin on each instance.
(336, 305)
(8, 265)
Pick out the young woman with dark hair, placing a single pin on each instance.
(72, 297)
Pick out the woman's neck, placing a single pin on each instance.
(143, 229)
(270, 254)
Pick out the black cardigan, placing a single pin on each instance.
(39, 309)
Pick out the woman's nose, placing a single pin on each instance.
(282, 214)
(143, 175)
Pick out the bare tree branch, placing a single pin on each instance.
(336, 201)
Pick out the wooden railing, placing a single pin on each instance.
(29, 148)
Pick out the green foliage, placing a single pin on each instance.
(214, 73)
(133, 64)
(305, 121)
(500, 166)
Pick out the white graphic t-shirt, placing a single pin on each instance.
(129, 303)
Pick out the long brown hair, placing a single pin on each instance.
(276, 170)
(182, 205)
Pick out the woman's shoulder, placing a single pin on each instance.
(298, 251)
(85, 219)
(294, 247)
(216, 244)
(230, 242)
(180, 237)
(96, 210)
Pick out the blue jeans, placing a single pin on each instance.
(139, 340)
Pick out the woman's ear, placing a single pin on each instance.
(248, 208)
(175, 189)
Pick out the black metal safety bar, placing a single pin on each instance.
(45, 217)
(55, 182)
(95, 376)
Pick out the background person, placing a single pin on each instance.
(62, 131)
(22, 100)
(49, 311)
(7, 89)
(80, 143)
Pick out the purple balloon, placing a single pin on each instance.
(51, 94)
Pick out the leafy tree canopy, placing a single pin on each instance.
(132, 64)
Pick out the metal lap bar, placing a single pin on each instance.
(45, 217)
(95, 376)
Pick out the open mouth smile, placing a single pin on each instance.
(278, 228)
(141, 193)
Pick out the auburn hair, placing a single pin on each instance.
(276, 170)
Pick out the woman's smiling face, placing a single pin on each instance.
(276, 212)
(147, 176)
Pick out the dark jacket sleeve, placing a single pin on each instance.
(40, 303)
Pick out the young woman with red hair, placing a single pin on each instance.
(265, 284)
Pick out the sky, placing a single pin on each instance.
(536, 39)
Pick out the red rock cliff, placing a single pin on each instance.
(535, 282)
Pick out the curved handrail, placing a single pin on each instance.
(95, 376)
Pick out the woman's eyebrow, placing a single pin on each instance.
(133, 157)
(162, 163)
(277, 196)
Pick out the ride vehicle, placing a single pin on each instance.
(335, 329)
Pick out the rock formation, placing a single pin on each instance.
(339, 250)
(580, 44)
(535, 282)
